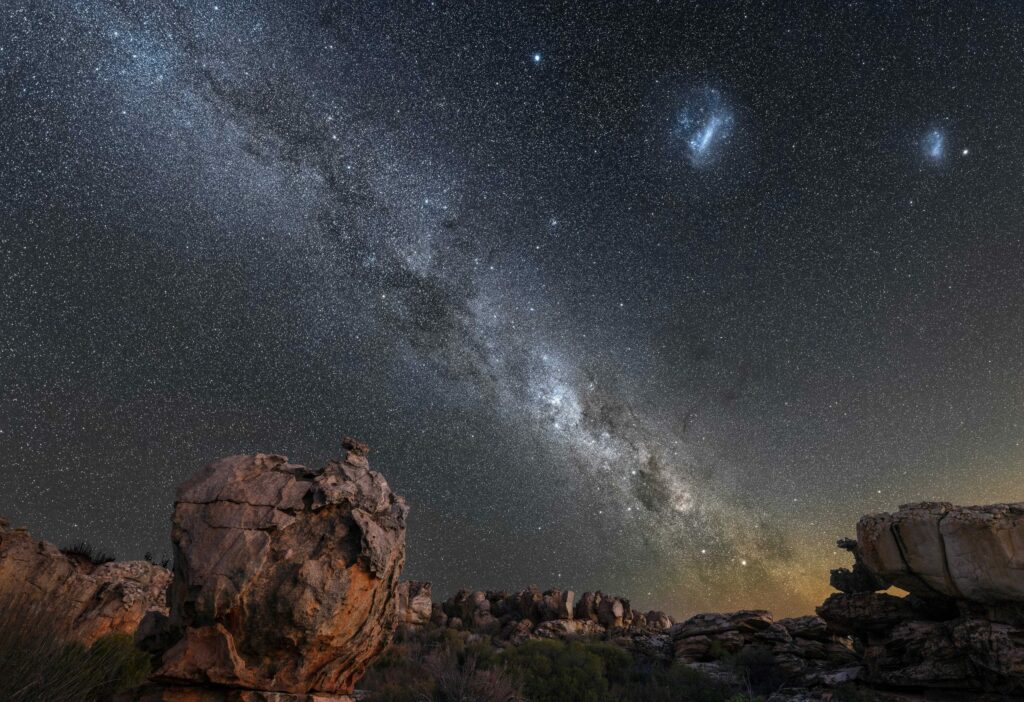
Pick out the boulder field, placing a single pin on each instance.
(957, 627)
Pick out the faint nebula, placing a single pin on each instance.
(702, 126)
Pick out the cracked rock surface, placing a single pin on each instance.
(284, 577)
(937, 549)
(86, 600)
(962, 624)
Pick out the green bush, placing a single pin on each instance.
(674, 683)
(438, 665)
(553, 671)
(444, 665)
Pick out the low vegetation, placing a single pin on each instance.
(84, 549)
(443, 665)
(39, 664)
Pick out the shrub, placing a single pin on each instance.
(554, 671)
(87, 551)
(675, 683)
(444, 665)
(438, 665)
(758, 668)
(38, 663)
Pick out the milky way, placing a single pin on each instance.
(655, 300)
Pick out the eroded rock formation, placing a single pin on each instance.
(413, 602)
(962, 624)
(85, 600)
(284, 580)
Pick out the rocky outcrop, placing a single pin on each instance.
(961, 627)
(807, 651)
(413, 603)
(532, 613)
(84, 599)
(285, 579)
(935, 549)
(803, 648)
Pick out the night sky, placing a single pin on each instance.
(655, 298)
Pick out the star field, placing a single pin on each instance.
(653, 298)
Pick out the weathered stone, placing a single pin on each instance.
(917, 654)
(285, 577)
(84, 600)
(566, 628)
(744, 621)
(556, 604)
(864, 612)
(934, 548)
(807, 627)
(611, 612)
(658, 620)
(413, 603)
(586, 607)
(861, 578)
(692, 648)
(994, 647)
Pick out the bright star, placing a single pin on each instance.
(536, 58)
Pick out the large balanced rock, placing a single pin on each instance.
(83, 600)
(962, 625)
(937, 549)
(284, 577)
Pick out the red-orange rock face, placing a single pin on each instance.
(85, 600)
(285, 577)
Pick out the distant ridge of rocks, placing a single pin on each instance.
(960, 628)
(805, 648)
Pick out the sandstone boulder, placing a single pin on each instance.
(613, 612)
(567, 628)
(962, 625)
(658, 620)
(936, 549)
(556, 604)
(864, 612)
(284, 577)
(86, 600)
(413, 603)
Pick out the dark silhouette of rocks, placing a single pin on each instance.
(860, 578)
(86, 600)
